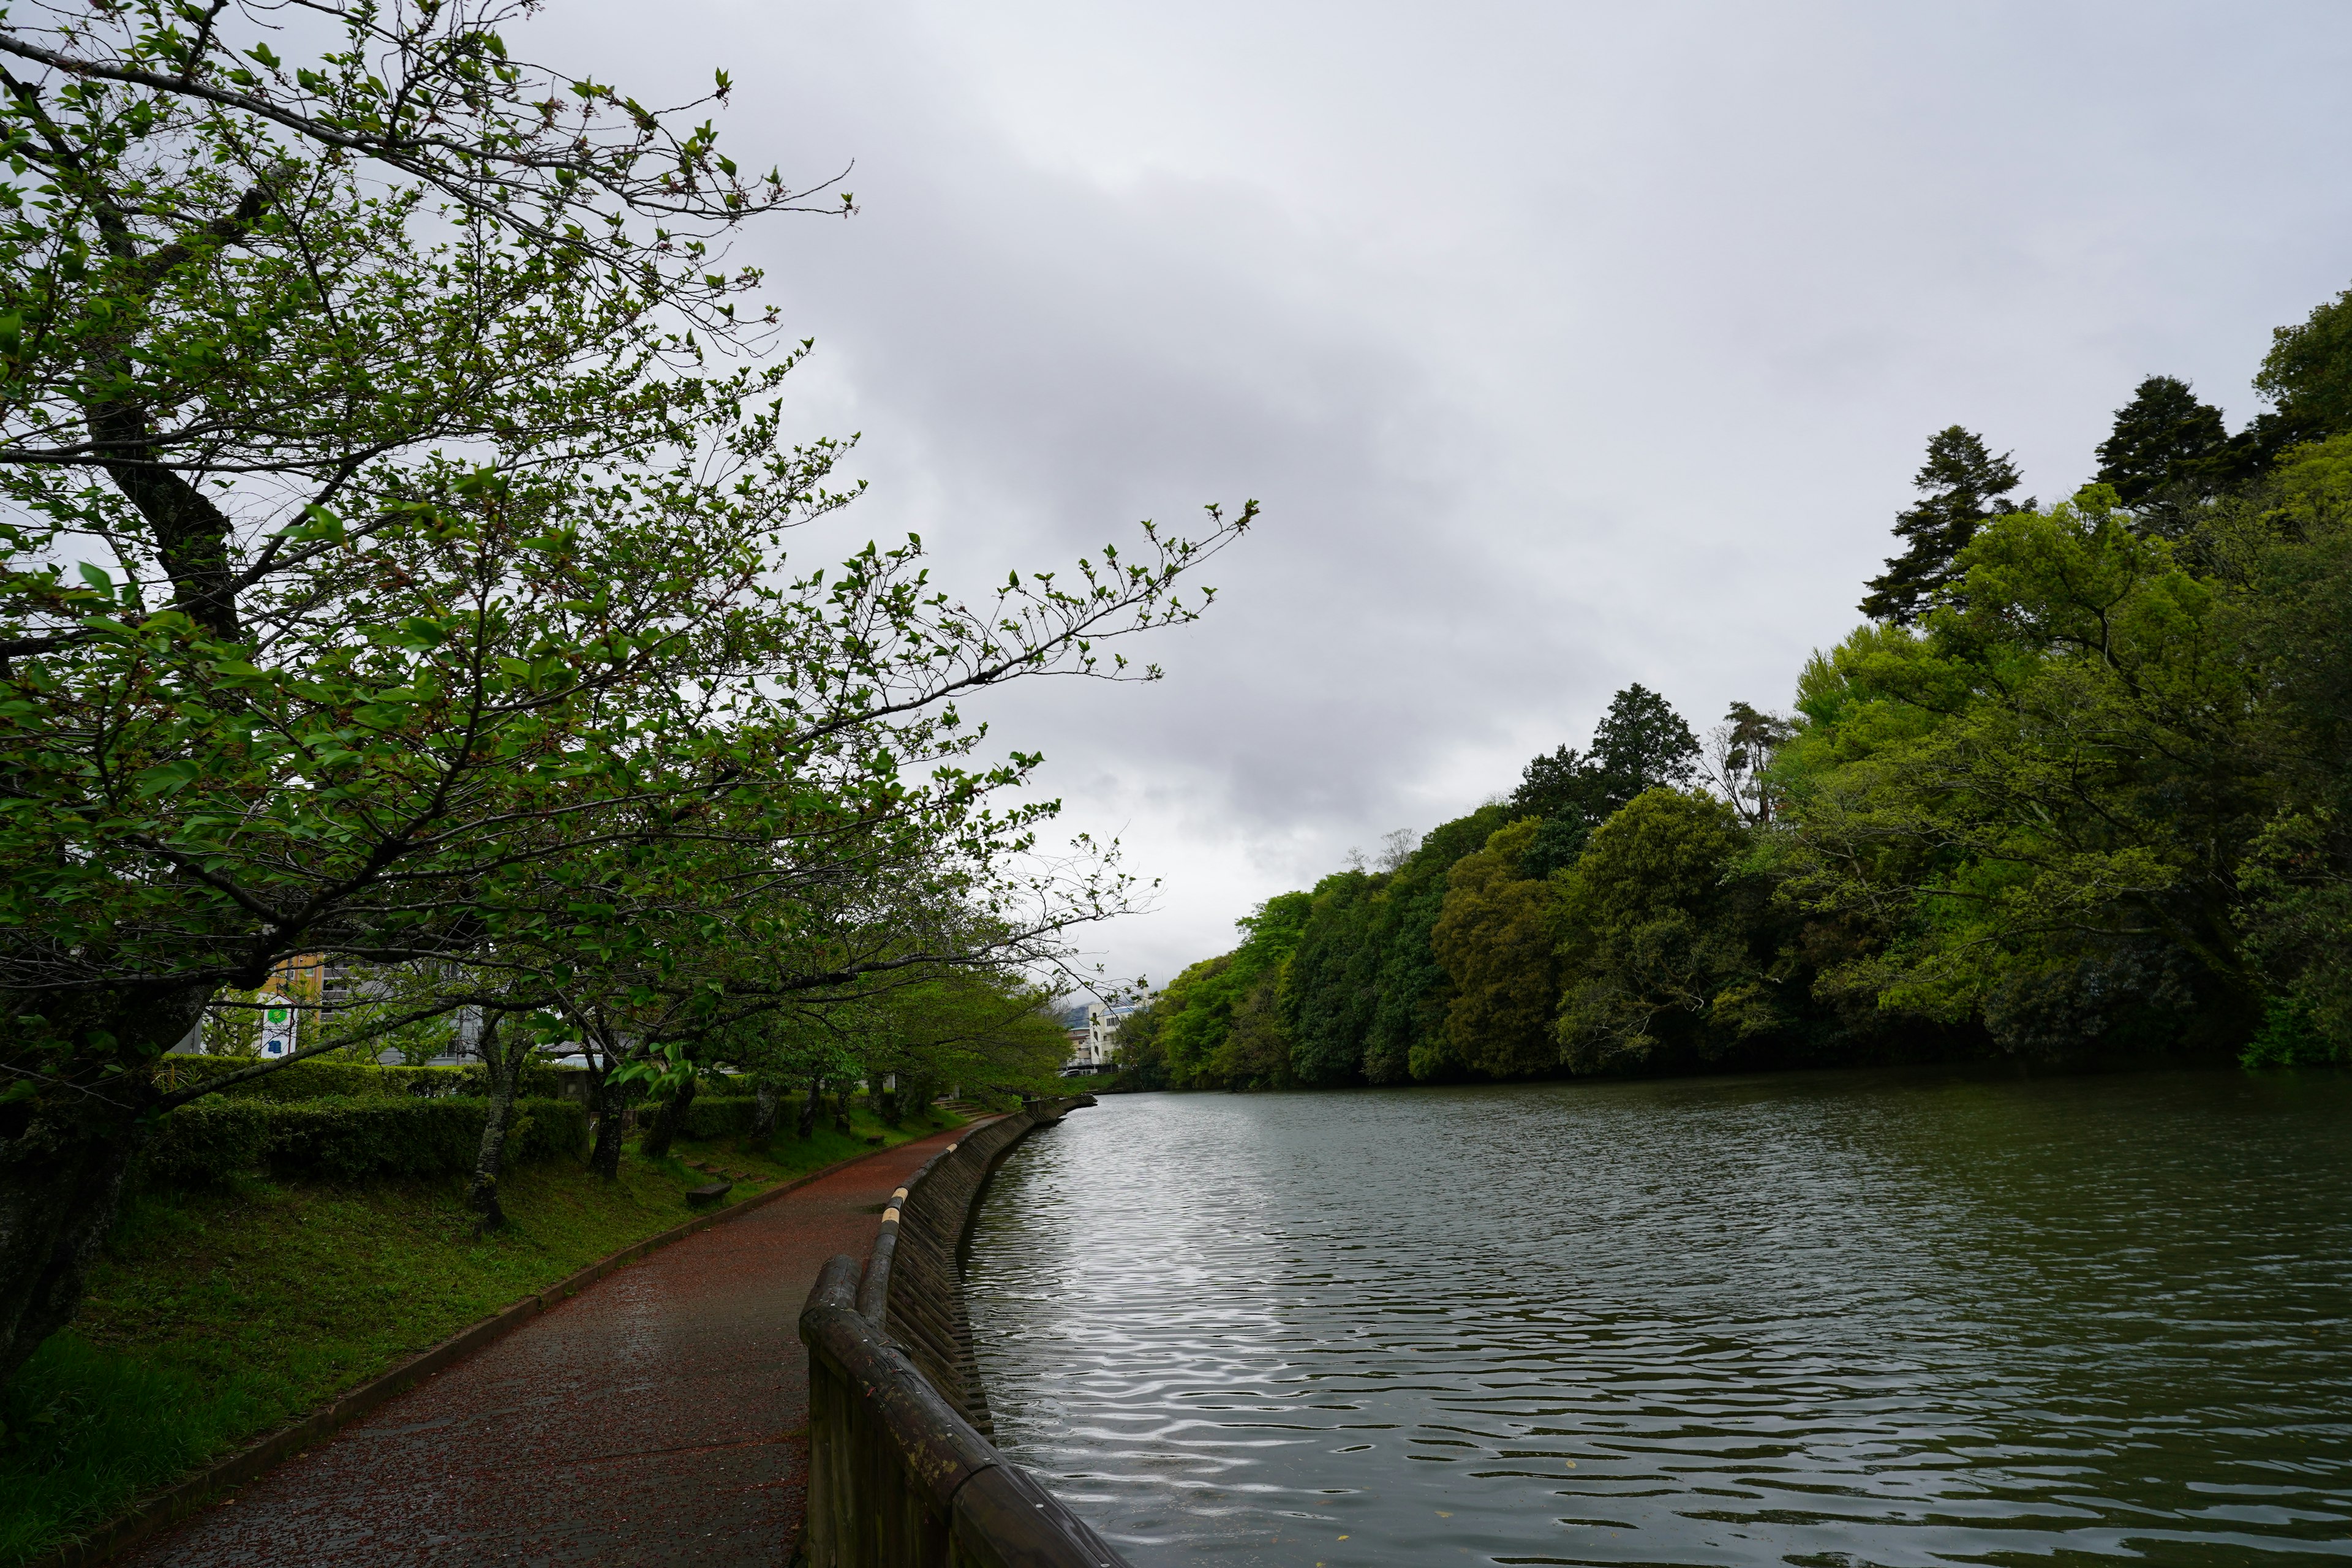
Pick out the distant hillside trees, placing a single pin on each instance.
(2079, 790)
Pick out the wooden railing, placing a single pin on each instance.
(902, 1472)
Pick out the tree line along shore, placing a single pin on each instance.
(2079, 791)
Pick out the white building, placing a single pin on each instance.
(1094, 1048)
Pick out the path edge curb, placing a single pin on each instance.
(182, 1498)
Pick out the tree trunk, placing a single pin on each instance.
(841, 1112)
(64, 1154)
(811, 1106)
(504, 1066)
(763, 1116)
(60, 1188)
(612, 1106)
(668, 1121)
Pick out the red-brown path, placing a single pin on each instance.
(656, 1417)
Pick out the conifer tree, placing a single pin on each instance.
(1553, 785)
(2164, 439)
(1960, 485)
(1639, 744)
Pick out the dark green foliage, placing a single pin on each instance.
(715, 1116)
(346, 1140)
(2166, 444)
(320, 1080)
(1640, 743)
(1556, 785)
(1495, 935)
(1558, 841)
(1407, 1037)
(1332, 987)
(664, 1120)
(2296, 876)
(1961, 485)
(214, 1140)
(1661, 940)
(1255, 1051)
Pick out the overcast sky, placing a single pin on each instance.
(1565, 345)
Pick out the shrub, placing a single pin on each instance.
(720, 1116)
(322, 1080)
(214, 1138)
(351, 1138)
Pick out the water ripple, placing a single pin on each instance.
(1819, 1321)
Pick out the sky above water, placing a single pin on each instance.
(1565, 345)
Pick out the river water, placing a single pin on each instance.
(1825, 1320)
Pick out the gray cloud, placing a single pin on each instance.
(1566, 345)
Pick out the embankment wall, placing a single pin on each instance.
(903, 1470)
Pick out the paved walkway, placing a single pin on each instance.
(658, 1417)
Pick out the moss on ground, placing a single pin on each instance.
(218, 1315)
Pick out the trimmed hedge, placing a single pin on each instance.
(720, 1116)
(322, 1080)
(351, 1138)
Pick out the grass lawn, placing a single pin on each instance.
(217, 1316)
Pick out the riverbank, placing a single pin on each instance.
(217, 1316)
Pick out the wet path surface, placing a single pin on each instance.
(656, 1417)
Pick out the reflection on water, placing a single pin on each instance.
(1829, 1319)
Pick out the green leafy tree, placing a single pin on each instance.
(1660, 944)
(985, 1028)
(1961, 486)
(2047, 797)
(1331, 987)
(1495, 935)
(1556, 785)
(2297, 883)
(1191, 1016)
(2296, 876)
(1254, 1051)
(390, 573)
(1564, 791)
(1406, 1040)
(1221, 1020)
(2306, 378)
